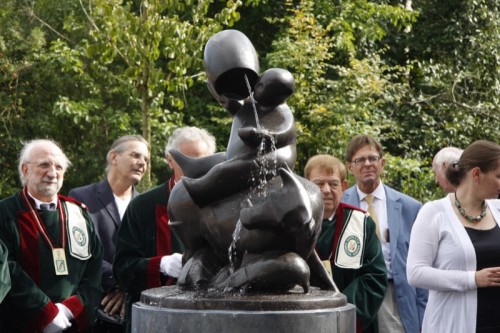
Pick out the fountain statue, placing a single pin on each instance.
(248, 223)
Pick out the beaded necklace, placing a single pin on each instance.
(472, 219)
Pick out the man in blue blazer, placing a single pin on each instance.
(127, 161)
(394, 213)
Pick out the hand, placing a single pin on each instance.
(60, 322)
(113, 302)
(64, 309)
(171, 265)
(488, 277)
(253, 136)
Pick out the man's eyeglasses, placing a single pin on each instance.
(360, 161)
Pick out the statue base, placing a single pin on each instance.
(171, 309)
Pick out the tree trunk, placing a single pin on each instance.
(145, 103)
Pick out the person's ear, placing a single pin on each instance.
(24, 169)
(112, 157)
(476, 173)
(168, 160)
(349, 167)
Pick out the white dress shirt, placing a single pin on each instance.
(380, 206)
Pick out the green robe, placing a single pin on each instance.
(364, 287)
(143, 238)
(35, 288)
(4, 271)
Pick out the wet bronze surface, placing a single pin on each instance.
(175, 297)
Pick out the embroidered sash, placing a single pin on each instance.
(349, 253)
(78, 234)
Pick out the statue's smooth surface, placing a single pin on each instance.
(250, 188)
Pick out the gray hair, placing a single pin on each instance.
(25, 153)
(447, 155)
(481, 153)
(120, 145)
(190, 134)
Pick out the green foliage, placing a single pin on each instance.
(409, 176)
(345, 85)
(86, 72)
(140, 58)
(350, 80)
(28, 84)
(454, 51)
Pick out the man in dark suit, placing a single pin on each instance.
(394, 214)
(148, 252)
(127, 161)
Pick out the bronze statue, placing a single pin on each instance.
(251, 186)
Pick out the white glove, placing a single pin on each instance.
(171, 265)
(60, 322)
(67, 312)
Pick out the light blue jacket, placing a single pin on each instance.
(401, 214)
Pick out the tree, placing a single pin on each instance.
(85, 72)
(135, 64)
(344, 85)
(28, 84)
(455, 69)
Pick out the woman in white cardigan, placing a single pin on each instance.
(455, 247)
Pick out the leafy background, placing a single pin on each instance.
(418, 75)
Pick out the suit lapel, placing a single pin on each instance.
(394, 218)
(106, 198)
(394, 211)
(351, 196)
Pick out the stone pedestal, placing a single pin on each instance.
(170, 309)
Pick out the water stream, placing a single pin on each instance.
(257, 123)
(266, 168)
